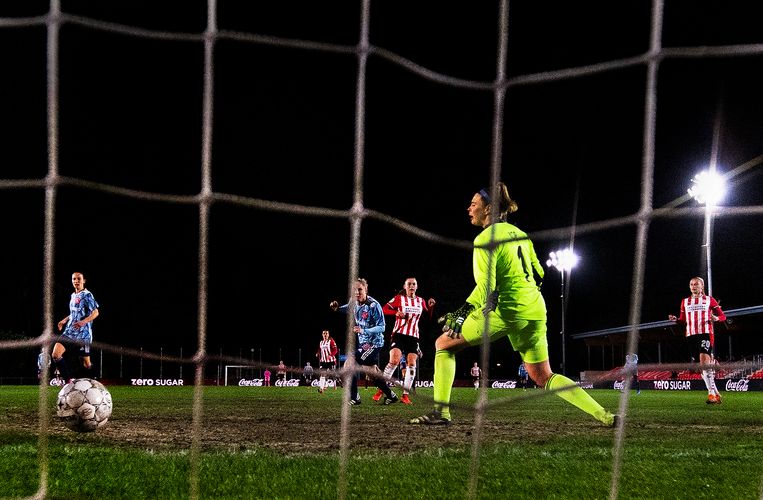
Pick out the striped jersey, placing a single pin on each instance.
(697, 313)
(475, 371)
(413, 307)
(327, 351)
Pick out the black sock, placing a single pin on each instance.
(382, 385)
(62, 368)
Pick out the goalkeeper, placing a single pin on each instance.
(508, 296)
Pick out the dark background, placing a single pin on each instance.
(284, 120)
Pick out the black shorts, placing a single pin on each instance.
(700, 343)
(84, 349)
(367, 357)
(406, 343)
(328, 365)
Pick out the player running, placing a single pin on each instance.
(83, 309)
(476, 374)
(507, 293)
(407, 309)
(369, 326)
(699, 312)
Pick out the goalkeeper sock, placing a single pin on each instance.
(444, 374)
(410, 374)
(579, 398)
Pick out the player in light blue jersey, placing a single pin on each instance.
(631, 365)
(77, 326)
(369, 326)
(43, 362)
(523, 375)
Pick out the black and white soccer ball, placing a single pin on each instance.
(84, 405)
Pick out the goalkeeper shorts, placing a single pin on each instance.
(528, 337)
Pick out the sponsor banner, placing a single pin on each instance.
(742, 385)
(292, 382)
(676, 385)
(728, 385)
(504, 384)
(330, 382)
(156, 381)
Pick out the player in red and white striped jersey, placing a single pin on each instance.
(407, 308)
(699, 312)
(327, 351)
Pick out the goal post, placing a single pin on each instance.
(234, 374)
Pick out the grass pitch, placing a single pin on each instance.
(284, 443)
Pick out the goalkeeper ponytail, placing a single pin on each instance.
(506, 205)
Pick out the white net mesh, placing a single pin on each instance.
(505, 90)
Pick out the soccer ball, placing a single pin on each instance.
(84, 405)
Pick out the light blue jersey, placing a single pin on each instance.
(81, 306)
(43, 362)
(370, 318)
(631, 360)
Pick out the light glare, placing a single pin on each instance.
(708, 187)
(562, 260)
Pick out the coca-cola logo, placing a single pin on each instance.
(504, 384)
(737, 385)
(255, 382)
(292, 382)
(619, 385)
(330, 382)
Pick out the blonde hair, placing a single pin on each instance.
(506, 205)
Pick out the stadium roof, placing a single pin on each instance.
(744, 312)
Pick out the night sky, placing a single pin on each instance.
(130, 115)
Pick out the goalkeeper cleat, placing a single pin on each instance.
(713, 399)
(378, 395)
(609, 419)
(433, 418)
(355, 401)
(406, 400)
(392, 399)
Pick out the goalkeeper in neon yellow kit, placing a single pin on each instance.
(508, 295)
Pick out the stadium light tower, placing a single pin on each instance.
(708, 188)
(563, 261)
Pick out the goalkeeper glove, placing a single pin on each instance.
(455, 320)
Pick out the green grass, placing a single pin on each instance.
(675, 447)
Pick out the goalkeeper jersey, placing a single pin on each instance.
(513, 270)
